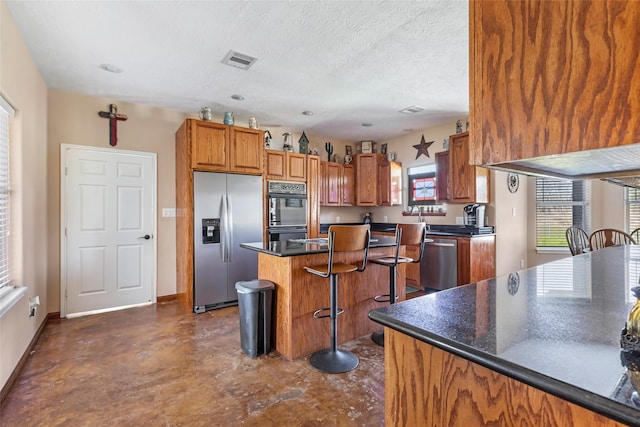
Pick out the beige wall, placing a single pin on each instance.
(73, 119)
(24, 88)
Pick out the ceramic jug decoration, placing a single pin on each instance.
(633, 321)
(206, 114)
(228, 118)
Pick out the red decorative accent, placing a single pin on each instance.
(113, 117)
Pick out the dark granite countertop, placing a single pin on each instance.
(300, 247)
(433, 229)
(556, 326)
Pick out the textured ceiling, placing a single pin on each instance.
(348, 62)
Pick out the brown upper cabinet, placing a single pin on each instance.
(285, 165)
(457, 179)
(216, 147)
(552, 77)
(336, 184)
(378, 181)
(442, 176)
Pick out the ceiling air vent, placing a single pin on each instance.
(239, 60)
(412, 110)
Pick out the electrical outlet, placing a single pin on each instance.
(384, 218)
(513, 211)
(521, 263)
(337, 219)
(459, 220)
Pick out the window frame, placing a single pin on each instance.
(584, 204)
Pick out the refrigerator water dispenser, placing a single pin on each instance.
(210, 230)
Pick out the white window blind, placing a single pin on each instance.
(560, 204)
(632, 208)
(5, 112)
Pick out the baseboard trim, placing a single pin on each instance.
(54, 316)
(167, 298)
(18, 369)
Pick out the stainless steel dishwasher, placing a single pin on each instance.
(439, 265)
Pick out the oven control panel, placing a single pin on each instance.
(282, 187)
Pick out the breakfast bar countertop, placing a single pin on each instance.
(556, 327)
(297, 247)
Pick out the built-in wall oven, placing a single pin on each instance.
(287, 210)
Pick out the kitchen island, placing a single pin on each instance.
(536, 347)
(298, 293)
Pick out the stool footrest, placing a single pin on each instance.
(316, 314)
(383, 298)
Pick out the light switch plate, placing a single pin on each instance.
(459, 220)
(168, 212)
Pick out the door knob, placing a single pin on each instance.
(145, 237)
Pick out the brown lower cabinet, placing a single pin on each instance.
(476, 258)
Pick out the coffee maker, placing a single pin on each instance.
(474, 215)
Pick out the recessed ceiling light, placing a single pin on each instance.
(307, 113)
(111, 68)
(367, 124)
(237, 97)
(412, 110)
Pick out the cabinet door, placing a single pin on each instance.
(296, 167)
(313, 196)
(245, 150)
(593, 101)
(462, 176)
(275, 164)
(366, 181)
(209, 146)
(323, 183)
(442, 176)
(347, 184)
(396, 183)
(384, 183)
(333, 184)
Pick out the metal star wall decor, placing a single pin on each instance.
(423, 147)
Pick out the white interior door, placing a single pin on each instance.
(108, 224)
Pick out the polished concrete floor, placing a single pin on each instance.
(158, 365)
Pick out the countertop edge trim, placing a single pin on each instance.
(591, 401)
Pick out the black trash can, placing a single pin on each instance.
(255, 299)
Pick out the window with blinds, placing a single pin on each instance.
(560, 204)
(632, 208)
(5, 112)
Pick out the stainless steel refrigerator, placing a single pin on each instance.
(227, 211)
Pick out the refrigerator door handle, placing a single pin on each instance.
(229, 228)
(224, 228)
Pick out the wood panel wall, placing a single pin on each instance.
(426, 386)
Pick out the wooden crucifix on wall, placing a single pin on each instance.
(113, 117)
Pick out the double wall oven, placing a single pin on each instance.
(287, 210)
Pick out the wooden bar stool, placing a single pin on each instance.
(406, 234)
(342, 238)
